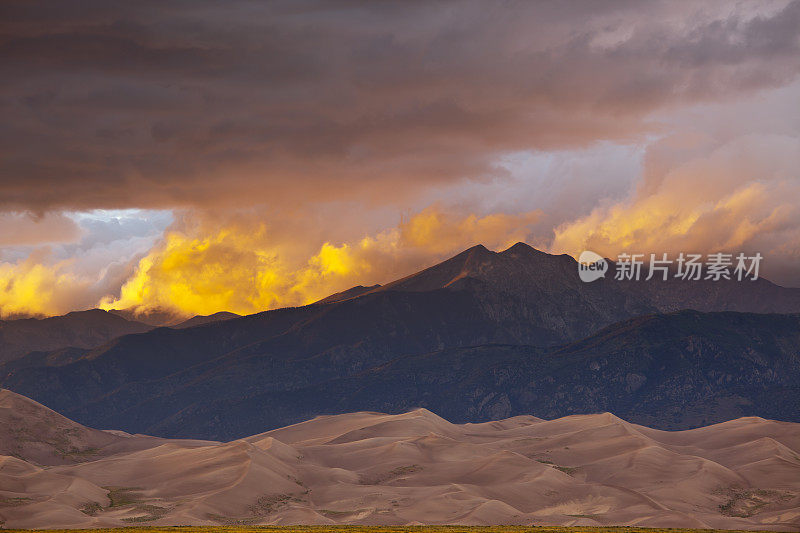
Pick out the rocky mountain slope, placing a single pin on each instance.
(671, 371)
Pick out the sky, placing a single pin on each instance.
(197, 157)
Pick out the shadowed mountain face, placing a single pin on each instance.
(200, 320)
(81, 329)
(63, 338)
(230, 378)
(549, 286)
(411, 468)
(672, 371)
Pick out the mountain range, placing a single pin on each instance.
(481, 336)
(83, 329)
(80, 329)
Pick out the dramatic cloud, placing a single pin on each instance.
(51, 279)
(27, 228)
(200, 156)
(248, 268)
(33, 288)
(741, 196)
(147, 104)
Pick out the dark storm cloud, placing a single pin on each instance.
(151, 104)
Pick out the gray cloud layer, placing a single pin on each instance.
(196, 104)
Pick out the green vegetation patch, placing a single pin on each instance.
(295, 480)
(263, 506)
(338, 514)
(13, 502)
(77, 453)
(91, 508)
(270, 503)
(569, 470)
(221, 519)
(122, 496)
(401, 470)
(390, 475)
(744, 503)
(152, 512)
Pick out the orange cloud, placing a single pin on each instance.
(740, 196)
(439, 231)
(246, 269)
(33, 288)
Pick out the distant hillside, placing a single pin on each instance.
(200, 320)
(80, 329)
(673, 371)
(352, 292)
(155, 317)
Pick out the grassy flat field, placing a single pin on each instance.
(385, 529)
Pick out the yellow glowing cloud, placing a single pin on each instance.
(243, 270)
(31, 288)
(189, 274)
(738, 198)
(437, 230)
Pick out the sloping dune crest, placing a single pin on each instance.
(412, 468)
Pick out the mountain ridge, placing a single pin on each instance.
(159, 380)
(88, 329)
(78, 329)
(692, 375)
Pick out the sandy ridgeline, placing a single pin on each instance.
(369, 468)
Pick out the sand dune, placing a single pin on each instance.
(412, 468)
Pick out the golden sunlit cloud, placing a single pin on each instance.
(33, 288)
(244, 270)
(740, 197)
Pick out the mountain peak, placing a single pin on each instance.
(199, 320)
(93, 313)
(352, 292)
(479, 248)
(447, 272)
(522, 249)
(518, 265)
(519, 246)
(477, 252)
